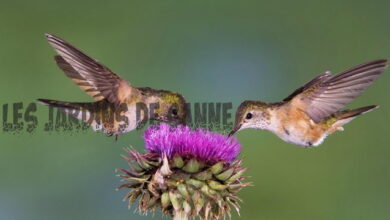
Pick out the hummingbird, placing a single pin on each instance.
(313, 111)
(116, 101)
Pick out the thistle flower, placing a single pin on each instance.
(187, 173)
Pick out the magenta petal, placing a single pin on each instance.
(181, 140)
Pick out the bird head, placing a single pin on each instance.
(172, 108)
(251, 114)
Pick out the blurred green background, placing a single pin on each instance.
(210, 51)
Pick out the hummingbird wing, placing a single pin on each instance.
(317, 80)
(327, 94)
(92, 77)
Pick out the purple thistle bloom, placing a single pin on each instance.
(186, 173)
(182, 141)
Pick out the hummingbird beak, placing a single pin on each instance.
(235, 129)
(174, 121)
(182, 121)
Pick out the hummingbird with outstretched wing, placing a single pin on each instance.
(313, 111)
(116, 101)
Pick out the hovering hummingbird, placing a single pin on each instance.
(313, 111)
(116, 101)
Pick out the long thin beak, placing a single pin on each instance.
(174, 121)
(235, 129)
(182, 122)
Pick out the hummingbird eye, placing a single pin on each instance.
(174, 111)
(248, 116)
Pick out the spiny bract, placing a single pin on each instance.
(187, 173)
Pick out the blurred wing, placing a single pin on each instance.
(92, 77)
(330, 94)
(316, 81)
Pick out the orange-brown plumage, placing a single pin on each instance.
(313, 111)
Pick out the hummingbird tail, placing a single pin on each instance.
(355, 112)
(346, 116)
(79, 110)
(59, 104)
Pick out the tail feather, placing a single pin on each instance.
(346, 116)
(355, 112)
(99, 115)
(61, 104)
(74, 108)
(80, 110)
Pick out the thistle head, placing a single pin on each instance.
(187, 173)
